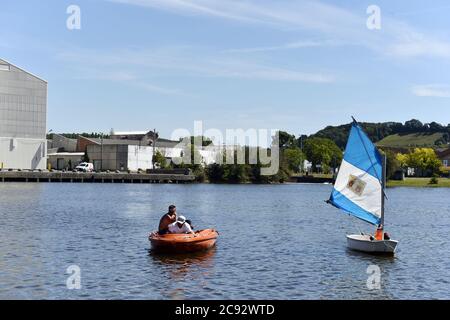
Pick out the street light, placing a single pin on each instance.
(154, 138)
(101, 152)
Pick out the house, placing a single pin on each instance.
(444, 156)
(62, 153)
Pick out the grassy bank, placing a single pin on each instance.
(419, 182)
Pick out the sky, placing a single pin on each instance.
(292, 65)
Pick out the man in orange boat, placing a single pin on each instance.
(180, 226)
(167, 219)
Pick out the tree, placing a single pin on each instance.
(287, 140)
(294, 158)
(393, 164)
(215, 172)
(205, 140)
(402, 159)
(322, 151)
(413, 125)
(246, 172)
(160, 160)
(423, 160)
(194, 162)
(236, 173)
(436, 127)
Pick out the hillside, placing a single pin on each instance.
(393, 134)
(412, 140)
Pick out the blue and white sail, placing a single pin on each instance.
(358, 189)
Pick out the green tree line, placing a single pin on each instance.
(323, 153)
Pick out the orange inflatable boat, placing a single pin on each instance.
(182, 243)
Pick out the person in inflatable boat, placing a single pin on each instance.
(180, 226)
(167, 219)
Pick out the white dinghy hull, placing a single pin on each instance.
(363, 243)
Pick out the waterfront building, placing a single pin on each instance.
(128, 154)
(64, 160)
(62, 153)
(444, 156)
(123, 151)
(23, 119)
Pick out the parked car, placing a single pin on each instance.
(85, 167)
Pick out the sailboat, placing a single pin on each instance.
(359, 190)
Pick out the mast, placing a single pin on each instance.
(383, 186)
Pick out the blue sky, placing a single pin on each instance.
(276, 64)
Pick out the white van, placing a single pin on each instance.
(85, 167)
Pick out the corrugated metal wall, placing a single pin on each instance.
(23, 119)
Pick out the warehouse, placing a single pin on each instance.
(121, 154)
(23, 119)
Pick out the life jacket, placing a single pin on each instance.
(379, 234)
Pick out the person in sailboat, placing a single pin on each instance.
(359, 190)
(379, 232)
(379, 235)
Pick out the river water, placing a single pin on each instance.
(276, 242)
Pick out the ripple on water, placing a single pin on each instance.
(279, 242)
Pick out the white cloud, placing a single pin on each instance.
(158, 89)
(190, 62)
(282, 14)
(432, 90)
(396, 38)
(124, 77)
(287, 46)
(409, 42)
(197, 7)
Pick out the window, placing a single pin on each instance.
(445, 163)
(4, 67)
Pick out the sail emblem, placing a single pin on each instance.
(356, 185)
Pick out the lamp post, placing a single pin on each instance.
(44, 150)
(101, 152)
(303, 160)
(154, 138)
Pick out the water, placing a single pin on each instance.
(276, 242)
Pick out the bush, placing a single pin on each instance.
(434, 180)
(393, 165)
(200, 174)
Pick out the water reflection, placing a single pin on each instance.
(185, 272)
(381, 257)
(181, 264)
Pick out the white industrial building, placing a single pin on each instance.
(23, 119)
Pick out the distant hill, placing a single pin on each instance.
(412, 140)
(412, 133)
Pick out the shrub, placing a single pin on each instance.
(434, 180)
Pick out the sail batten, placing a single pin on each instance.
(358, 187)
